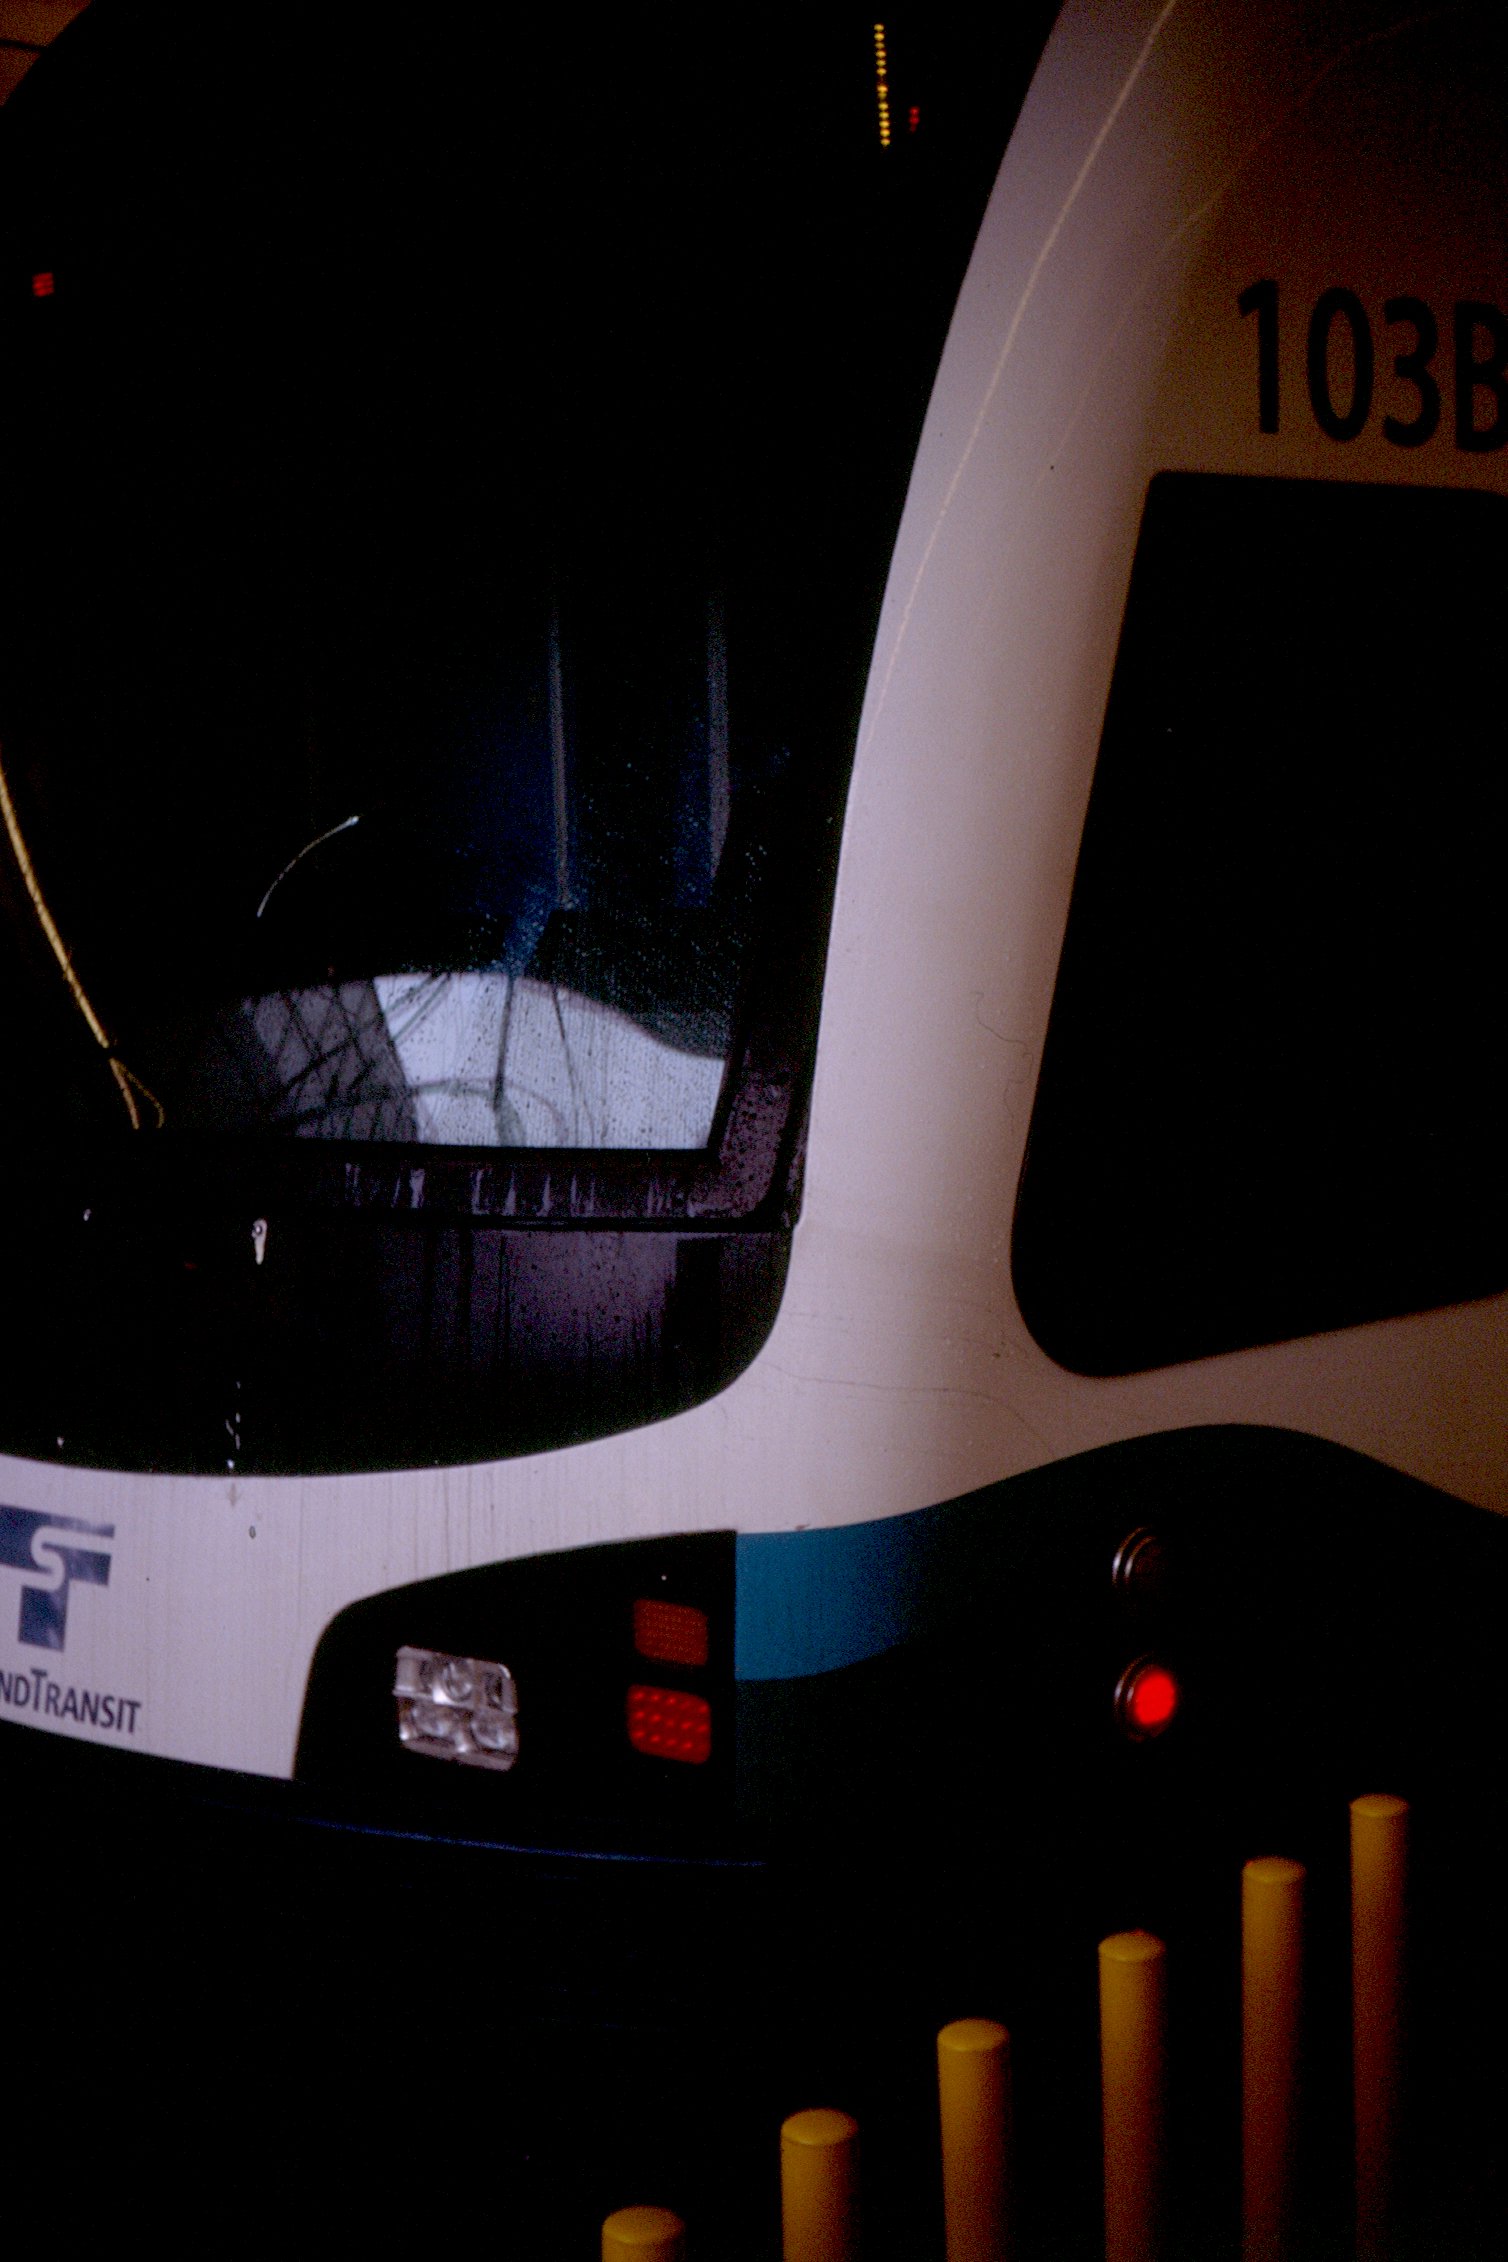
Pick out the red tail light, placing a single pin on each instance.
(670, 1723)
(673, 1632)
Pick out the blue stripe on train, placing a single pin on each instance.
(812, 1601)
(808, 1602)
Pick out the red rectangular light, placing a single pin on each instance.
(673, 1632)
(670, 1723)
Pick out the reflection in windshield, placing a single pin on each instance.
(481, 1059)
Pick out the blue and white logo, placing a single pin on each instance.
(35, 1545)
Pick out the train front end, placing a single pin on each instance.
(753, 963)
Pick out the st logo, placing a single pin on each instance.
(50, 1560)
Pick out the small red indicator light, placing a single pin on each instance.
(1147, 1698)
(913, 119)
(673, 1632)
(43, 285)
(670, 1724)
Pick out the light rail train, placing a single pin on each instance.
(751, 918)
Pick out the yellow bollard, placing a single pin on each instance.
(974, 2100)
(643, 2234)
(1133, 2069)
(1379, 1887)
(1272, 1955)
(819, 2187)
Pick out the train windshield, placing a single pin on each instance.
(437, 583)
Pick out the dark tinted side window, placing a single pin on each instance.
(1271, 1094)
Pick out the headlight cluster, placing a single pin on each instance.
(463, 1708)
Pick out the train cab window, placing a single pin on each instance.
(446, 514)
(1271, 1093)
(393, 739)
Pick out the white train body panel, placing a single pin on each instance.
(1168, 157)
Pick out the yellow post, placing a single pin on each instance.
(819, 2187)
(643, 2234)
(1379, 1888)
(1133, 2070)
(974, 2098)
(1272, 1954)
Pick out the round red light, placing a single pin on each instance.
(1147, 1699)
